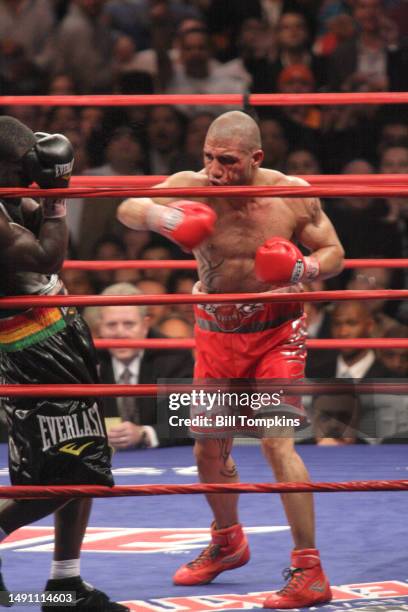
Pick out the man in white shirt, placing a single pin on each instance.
(136, 422)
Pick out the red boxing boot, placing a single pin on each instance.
(307, 583)
(227, 550)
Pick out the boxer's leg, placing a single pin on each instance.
(213, 455)
(17, 513)
(228, 548)
(286, 362)
(70, 525)
(215, 464)
(288, 466)
(307, 584)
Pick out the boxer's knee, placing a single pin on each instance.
(210, 452)
(278, 449)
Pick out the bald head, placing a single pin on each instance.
(351, 320)
(238, 128)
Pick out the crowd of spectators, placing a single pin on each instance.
(223, 46)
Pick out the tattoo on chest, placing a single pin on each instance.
(210, 269)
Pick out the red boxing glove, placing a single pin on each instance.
(184, 222)
(280, 262)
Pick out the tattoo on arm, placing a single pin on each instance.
(228, 471)
(315, 211)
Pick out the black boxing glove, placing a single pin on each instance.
(49, 163)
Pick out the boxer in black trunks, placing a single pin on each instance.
(51, 440)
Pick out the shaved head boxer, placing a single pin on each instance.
(248, 245)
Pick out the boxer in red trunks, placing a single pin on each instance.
(246, 245)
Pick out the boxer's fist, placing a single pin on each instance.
(280, 262)
(184, 222)
(50, 162)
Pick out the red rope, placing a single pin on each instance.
(323, 191)
(22, 301)
(153, 390)
(189, 343)
(191, 264)
(375, 263)
(150, 343)
(123, 181)
(46, 492)
(338, 99)
(141, 264)
(313, 179)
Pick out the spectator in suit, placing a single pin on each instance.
(350, 320)
(140, 426)
(380, 413)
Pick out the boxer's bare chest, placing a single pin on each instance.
(226, 261)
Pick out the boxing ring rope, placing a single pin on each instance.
(321, 186)
(313, 179)
(242, 100)
(141, 264)
(191, 264)
(47, 492)
(153, 390)
(321, 191)
(189, 343)
(80, 491)
(22, 301)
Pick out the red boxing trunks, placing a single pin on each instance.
(252, 342)
(249, 340)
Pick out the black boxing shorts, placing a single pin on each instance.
(52, 441)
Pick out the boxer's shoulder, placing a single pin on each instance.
(295, 181)
(306, 208)
(186, 178)
(267, 176)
